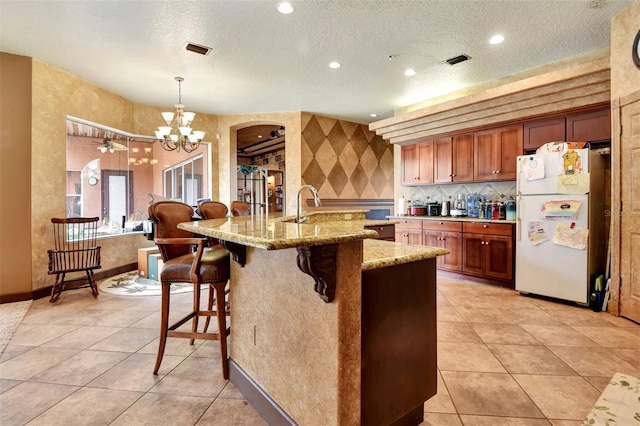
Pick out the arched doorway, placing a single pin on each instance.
(260, 156)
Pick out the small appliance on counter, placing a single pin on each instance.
(444, 210)
(433, 209)
(416, 208)
(459, 206)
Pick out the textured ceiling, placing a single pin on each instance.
(263, 61)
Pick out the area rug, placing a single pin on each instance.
(619, 403)
(11, 315)
(130, 284)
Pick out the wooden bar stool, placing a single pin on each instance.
(182, 264)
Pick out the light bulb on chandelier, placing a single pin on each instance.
(178, 134)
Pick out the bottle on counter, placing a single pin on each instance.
(502, 214)
(494, 211)
(511, 209)
(487, 210)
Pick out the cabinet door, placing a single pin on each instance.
(592, 126)
(486, 155)
(462, 160)
(452, 241)
(495, 153)
(537, 133)
(499, 257)
(432, 239)
(408, 236)
(425, 162)
(409, 159)
(442, 156)
(473, 254)
(510, 146)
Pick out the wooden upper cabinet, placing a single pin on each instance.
(537, 133)
(594, 126)
(495, 153)
(442, 155)
(453, 159)
(462, 159)
(425, 157)
(409, 156)
(417, 163)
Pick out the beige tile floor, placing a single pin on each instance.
(504, 359)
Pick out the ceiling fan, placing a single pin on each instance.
(108, 145)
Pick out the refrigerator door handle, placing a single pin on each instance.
(518, 219)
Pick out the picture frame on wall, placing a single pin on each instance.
(265, 161)
(278, 158)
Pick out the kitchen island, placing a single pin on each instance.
(329, 326)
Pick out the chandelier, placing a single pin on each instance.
(177, 134)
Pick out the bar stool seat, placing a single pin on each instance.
(181, 264)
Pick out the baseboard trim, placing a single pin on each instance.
(259, 399)
(39, 293)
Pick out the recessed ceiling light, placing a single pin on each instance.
(335, 65)
(410, 72)
(285, 8)
(496, 39)
(259, 136)
(374, 115)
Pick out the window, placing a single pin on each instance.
(183, 181)
(114, 175)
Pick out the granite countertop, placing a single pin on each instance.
(379, 254)
(452, 219)
(270, 233)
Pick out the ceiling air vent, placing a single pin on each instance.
(197, 48)
(458, 59)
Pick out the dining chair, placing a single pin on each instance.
(75, 250)
(183, 264)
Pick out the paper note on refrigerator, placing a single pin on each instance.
(534, 167)
(572, 162)
(561, 209)
(536, 232)
(571, 235)
(573, 184)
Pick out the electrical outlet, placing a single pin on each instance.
(254, 334)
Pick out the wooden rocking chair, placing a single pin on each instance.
(75, 251)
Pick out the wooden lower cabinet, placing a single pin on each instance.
(480, 249)
(446, 234)
(385, 232)
(409, 231)
(451, 241)
(488, 250)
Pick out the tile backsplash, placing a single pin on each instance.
(496, 191)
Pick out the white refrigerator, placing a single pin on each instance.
(560, 225)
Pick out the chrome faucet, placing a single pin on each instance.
(316, 200)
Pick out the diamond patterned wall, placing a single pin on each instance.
(345, 160)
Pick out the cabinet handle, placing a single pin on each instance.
(443, 239)
(485, 226)
(441, 223)
(454, 175)
(497, 171)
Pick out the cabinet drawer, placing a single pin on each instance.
(488, 228)
(442, 225)
(409, 224)
(384, 231)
